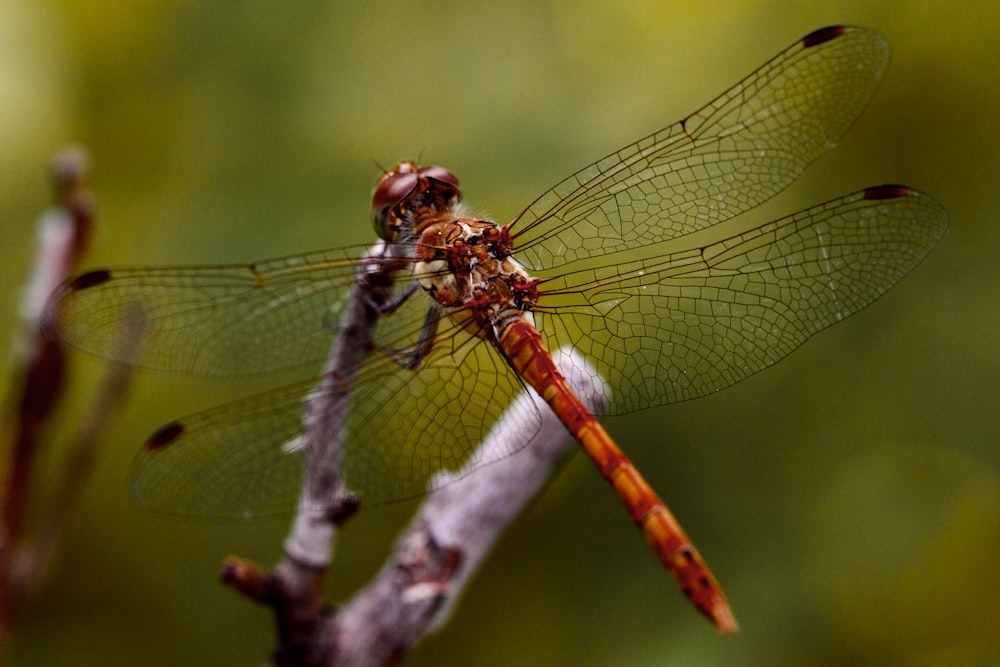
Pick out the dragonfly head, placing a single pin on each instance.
(407, 191)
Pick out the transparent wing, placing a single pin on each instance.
(241, 459)
(234, 461)
(669, 326)
(218, 321)
(414, 425)
(722, 160)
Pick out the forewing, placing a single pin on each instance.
(722, 160)
(218, 321)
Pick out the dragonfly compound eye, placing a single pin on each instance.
(445, 180)
(393, 188)
(414, 189)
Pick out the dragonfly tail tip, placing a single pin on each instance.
(722, 617)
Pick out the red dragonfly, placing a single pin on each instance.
(621, 260)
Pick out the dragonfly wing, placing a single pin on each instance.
(217, 321)
(722, 160)
(238, 460)
(429, 422)
(243, 459)
(671, 326)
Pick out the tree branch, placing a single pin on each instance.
(447, 540)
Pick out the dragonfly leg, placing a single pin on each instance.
(376, 305)
(412, 358)
(395, 302)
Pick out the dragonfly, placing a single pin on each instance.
(641, 262)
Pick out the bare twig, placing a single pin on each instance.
(63, 233)
(63, 236)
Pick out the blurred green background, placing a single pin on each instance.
(848, 499)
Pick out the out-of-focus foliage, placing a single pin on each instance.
(847, 499)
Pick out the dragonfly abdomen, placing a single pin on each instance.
(524, 348)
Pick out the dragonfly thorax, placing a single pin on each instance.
(464, 264)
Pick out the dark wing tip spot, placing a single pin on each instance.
(822, 35)
(166, 435)
(886, 192)
(89, 279)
